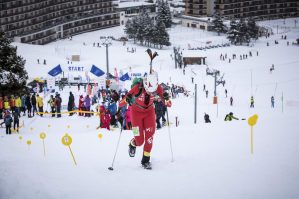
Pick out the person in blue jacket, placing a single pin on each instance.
(8, 122)
(112, 109)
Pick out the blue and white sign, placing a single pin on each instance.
(136, 74)
(76, 68)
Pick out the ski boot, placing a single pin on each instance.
(145, 162)
(132, 148)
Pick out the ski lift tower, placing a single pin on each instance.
(106, 41)
(217, 82)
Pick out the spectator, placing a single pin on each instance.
(8, 121)
(40, 105)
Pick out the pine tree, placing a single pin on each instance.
(162, 37)
(143, 20)
(253, 29)
(168, 20)
(129, 30)
(243, 35)
(233, 32)
(13, 75)
(163, 13)
(149, 32)
(218, 25)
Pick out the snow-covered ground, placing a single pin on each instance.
(210, 160)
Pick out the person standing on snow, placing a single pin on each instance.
(40, 104)
(81, 105)
(52, 105)
(141, 99)
(159, 109)
(87, 102)
(272, 101)
(8, 121)
(71, 103)
(58, 102)
(251, 102)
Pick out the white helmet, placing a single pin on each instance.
(150, 82)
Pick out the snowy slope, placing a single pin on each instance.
(211, 160)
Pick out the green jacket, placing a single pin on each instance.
(229, 117)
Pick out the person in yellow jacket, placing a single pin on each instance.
(18, 105)
(40, 104)
(6, 103)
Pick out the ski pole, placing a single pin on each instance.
(168, 124)
(111, 168)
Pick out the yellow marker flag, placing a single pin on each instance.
(28, 143)
(43, 136)
(67, 141)
(20, 138)
(100, 136)
(251, 122)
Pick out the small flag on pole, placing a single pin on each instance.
(125, 77)
(96, 71)
(55, 71)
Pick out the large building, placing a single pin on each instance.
(43, 21)
(129, 10)
(261, 9)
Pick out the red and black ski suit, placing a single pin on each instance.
(143, 116)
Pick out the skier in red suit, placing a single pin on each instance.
(141, 98)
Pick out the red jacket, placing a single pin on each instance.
(1, 104)
(81, 102)
(105, 120)
(139, 104)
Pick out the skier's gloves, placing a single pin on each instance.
(166, 96)
(129, 99)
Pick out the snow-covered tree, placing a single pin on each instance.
(13, 75)
(143, 29)
(130, 28)
(253, 29)
(163, 13)
(161, 35)
(218, 25)
(243, 34)
(233, 32)
(143, 21)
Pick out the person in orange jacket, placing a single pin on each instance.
(141, 99)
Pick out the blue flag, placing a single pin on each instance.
(55, 71)
(124, 77)
(96, 71)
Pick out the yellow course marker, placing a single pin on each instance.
(251, 122)
(67, 141)
(42, 136)
(49, 125)
(100, 136)
(20, 138)
(28, 143)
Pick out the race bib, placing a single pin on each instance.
(135, 131)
